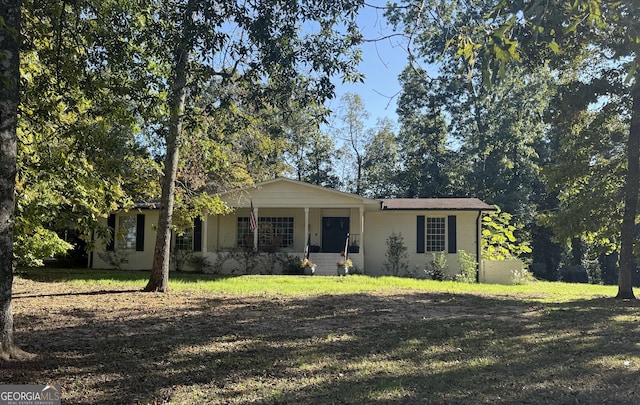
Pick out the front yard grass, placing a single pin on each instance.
(322, 340)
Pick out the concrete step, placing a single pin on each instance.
(325, 263)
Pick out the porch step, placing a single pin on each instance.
(325, 263)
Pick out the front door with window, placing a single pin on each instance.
(334, 234)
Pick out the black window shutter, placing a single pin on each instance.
(140, 233)
(197, 235)
(452, 235)
(420, 229)
(111, 224)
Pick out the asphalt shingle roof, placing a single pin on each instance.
(435, 204)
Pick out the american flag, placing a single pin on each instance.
(253, 221)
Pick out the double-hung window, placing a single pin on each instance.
(191, 239)
(185, 241)
(435, 234)
(127, 232)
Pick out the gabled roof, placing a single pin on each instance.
(304, 194)
(285, 192)
(455, 204)
(308, 185)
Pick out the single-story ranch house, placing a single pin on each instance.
(292, 217)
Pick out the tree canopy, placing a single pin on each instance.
(488, 42)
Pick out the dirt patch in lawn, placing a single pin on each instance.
(124, 346)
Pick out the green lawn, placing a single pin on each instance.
(539, 291)
(323, 340)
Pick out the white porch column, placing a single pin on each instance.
(480, 277)
(362, 238)
(361, 229)
(255, 232)
(306, 226)
(205, 232)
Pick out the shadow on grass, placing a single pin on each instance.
(409, 348)
(52, 275)
(17, 296)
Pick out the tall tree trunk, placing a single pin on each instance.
(9, 99)
(359, 160)
(631, 190)
(159, 278)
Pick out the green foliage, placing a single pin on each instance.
(499, 237)
(422, 139)
(594, 31)
(231, 147)
(196, 206)
(318, 167)
(546, 252)
(396, 255)
(308, 151)
(290, 265)
(188, 261)
(589, 161)
(468, 267)
(436, 268)
(350, 130)
(40, 243)
(198, 263)
(539, 270)
(79, 156)
(461, 135)
(382, 162)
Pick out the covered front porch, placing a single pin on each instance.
(321, 234)
(285, 216)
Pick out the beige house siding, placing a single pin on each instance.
(381, 224)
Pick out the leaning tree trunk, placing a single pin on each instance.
(631, 190)
(9, 99)
(159, 279)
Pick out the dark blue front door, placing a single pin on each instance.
(334, 234)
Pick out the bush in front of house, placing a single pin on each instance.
(198, 264)
(396, 255)
(468, 267)
(436, 268)
(290, 265)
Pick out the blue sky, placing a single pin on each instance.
(382, 63)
